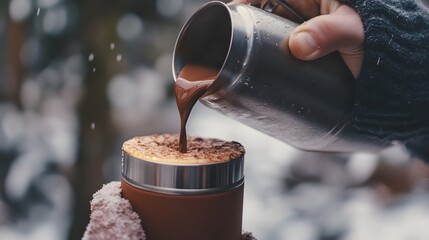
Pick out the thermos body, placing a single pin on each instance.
(185, 201)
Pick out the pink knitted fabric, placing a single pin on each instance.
(112, 216)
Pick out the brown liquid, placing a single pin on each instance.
(191, 85)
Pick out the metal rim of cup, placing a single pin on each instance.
(182, 179)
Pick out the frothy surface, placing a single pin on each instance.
(164, 149)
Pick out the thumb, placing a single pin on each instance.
(324, 34)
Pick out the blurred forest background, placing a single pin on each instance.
(78, 77)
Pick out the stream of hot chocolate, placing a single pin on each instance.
(191, 84)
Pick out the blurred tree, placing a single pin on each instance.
(13, 69)
(96, 135)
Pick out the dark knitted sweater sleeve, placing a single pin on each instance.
(392, 95)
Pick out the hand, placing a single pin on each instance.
(332, 26)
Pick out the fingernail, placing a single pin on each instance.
(306, 43)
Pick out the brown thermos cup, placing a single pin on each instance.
(192, 196)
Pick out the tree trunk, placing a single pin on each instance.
(13, 68)
(96, 135)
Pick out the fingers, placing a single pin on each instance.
(342, 30)
(323, 34)
(333, 26)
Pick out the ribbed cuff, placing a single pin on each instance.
(392, 95)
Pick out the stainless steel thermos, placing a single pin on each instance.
(261, 84)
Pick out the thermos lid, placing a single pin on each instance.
(210, 165)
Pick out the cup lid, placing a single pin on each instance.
(147, 172)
